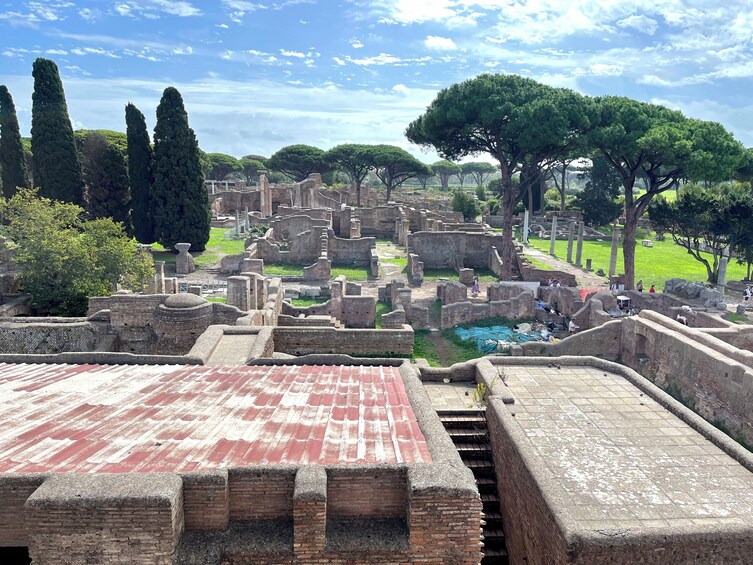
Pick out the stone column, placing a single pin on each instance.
(245, 220)
(237, 222)
(579, 247)
(554, 235)
(613, 256)
(570, 236)
(721, 282)
(159, 277)
(524, 235)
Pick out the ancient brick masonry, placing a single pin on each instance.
(113, 519)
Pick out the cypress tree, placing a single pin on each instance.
(140, 174)
(12, 159)
(57, 169)
(180, 197)
(106, 175)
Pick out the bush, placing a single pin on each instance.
(480, 193)
(466, 204)
(65, 260)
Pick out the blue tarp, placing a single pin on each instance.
(488, 339)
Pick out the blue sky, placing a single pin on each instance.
(258, 75)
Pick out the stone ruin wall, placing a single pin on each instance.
(455, 250)
(43, 336)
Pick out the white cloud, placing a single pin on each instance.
(356, 44)
(56, 52)
(219, 112)
(439, 43)
(640, 23)
(338, 60)
(401, 89)
(87, 14)
(296, 54)
(381, 59)
(151, 9)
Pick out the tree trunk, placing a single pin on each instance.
(628, 246)
(506, 208)
(562, 188)
(530, 200)
(358, 194)
(389, 192)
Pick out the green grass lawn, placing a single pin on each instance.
(220, 299)
(351, 273)
(308, 301)
(443, 349)
(399, 261)
(217, 247)
(381, 308)
(283, 270)
(539, 264)
(484, 275)
(655, 265)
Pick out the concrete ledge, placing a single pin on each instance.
(442, 480)
(92, 491)
(310, 484)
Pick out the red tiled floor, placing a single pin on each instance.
(88, 418)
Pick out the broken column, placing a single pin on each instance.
(184, 264)
(246, 223)
(159, 277)
(553, 239)
(579, 248)
(570, 235)
(613, 256)
(524, 235)
(252, 266)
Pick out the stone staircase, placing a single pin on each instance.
(467, 428)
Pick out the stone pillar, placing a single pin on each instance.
(309, 513)
(195, 289)
(184, 264)
(579, 248)
(239, 293)
(246, 223)
(588, 265)
(171, 285)
(613, 256)
(237, 222)
(570, 236)
(355, 228)
(554, 235)
(721, 283)
(159, 277)
(524, 235)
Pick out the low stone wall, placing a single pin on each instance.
(363, 342)
(44, 336)
(517, 308)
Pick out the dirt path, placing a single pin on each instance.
(585, 278)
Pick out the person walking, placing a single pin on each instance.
(639, 286)
(652, 290)
(474, 287)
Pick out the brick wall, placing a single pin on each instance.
(14, 491)
(261, 492)
(366, 493)
(304, 341)
(113, 519)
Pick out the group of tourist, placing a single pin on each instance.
(553, 282)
